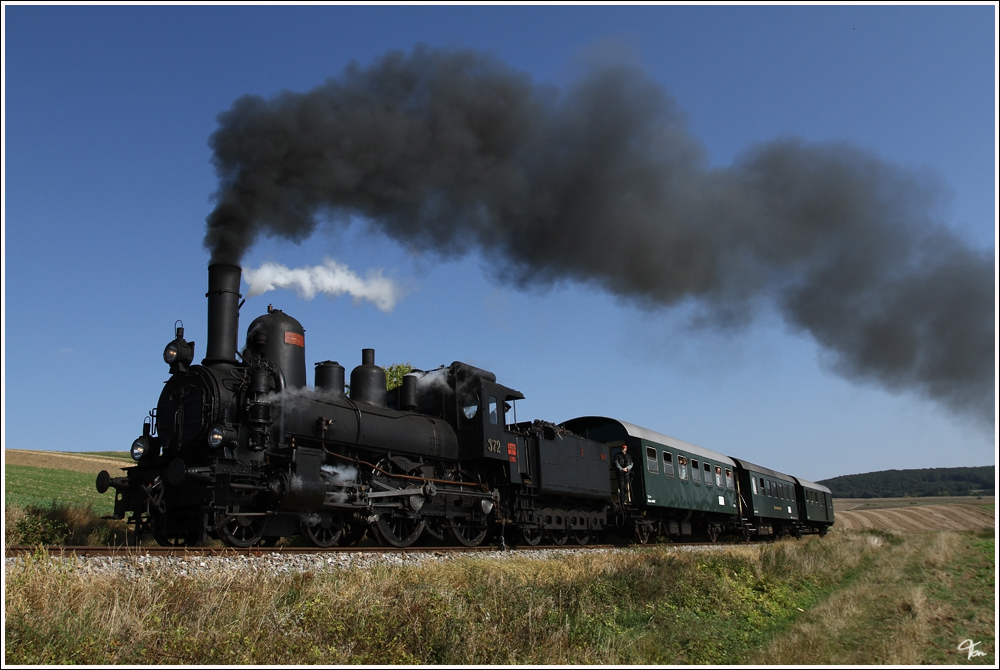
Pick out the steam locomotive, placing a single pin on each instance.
(241, 449)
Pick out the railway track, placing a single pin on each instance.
(157, 551)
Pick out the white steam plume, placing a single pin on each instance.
(331, 278)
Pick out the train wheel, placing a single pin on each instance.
(468, 532)
(642, 534)
(399, 531)
(326, 532)
(713, 533)
(240, 530)
(559, 537)
(154, 524)
(532, 536)
(581, 537)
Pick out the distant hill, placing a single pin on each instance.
(918, 483)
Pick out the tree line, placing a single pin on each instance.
(917, 483)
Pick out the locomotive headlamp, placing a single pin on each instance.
(219, 436)
(140, 448)
(179, 353)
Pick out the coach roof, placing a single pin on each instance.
(604, 429)
(812, 485)
(761, 470)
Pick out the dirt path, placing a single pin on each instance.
(922, 517)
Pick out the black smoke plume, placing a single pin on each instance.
(453, 151)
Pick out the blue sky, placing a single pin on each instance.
(108, 181)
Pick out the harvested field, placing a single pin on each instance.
(63, 460)
(953, 517)
(852, 504)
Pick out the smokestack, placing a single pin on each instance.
(223, 313)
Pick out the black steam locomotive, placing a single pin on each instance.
(239, 448)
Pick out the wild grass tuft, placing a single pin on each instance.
(59, 523)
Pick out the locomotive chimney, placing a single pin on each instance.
(223, 312)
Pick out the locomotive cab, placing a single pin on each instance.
(484, 426)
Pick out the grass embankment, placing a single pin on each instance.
(54, 506)
(872, 598)
(28, 486)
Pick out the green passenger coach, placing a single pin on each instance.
(815, 504)
(683, 489)
(768, 497)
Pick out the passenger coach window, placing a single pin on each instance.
(651, 460)
(708, 474)
(718, 476)
(682, 467)
(695, 472)
(729, 479)
(668, 464)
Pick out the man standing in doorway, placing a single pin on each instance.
(624, 464)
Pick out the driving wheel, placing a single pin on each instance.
(240, 530)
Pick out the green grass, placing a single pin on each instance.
(965, 588)
(871, 597)
(28, 486)
(647, 606)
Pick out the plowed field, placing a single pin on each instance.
(896, 515)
